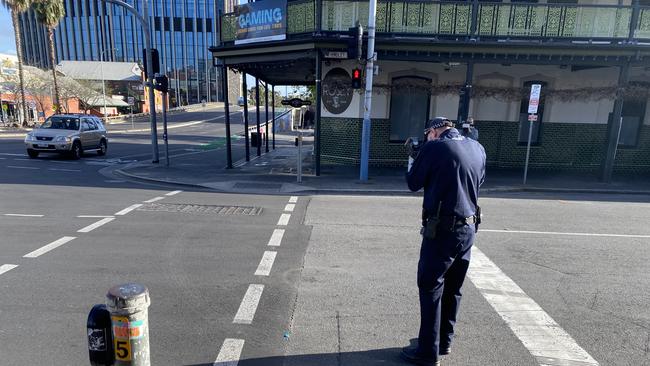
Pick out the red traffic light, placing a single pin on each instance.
(356, 79)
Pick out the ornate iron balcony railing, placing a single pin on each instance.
(467, 19)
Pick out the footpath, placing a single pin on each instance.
(275, 172)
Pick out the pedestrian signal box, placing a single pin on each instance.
(356, 79)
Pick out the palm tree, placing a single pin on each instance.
(17, 7)
(49, 13)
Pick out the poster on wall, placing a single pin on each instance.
(261, 21)
(337, 91)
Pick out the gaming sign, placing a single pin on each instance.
(261, 21)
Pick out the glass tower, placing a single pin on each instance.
(93, 30)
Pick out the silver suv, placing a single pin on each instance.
(70, 134)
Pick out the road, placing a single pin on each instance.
(337, 287)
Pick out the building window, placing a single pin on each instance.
(409, 107)
(524, 124)
(632, 120)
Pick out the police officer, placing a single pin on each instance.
(450, 168)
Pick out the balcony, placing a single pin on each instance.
(468, 20)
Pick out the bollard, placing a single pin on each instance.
(129, 305)
(100, 340)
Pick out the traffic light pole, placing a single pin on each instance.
(365, 132)
(165, 136)
(144, 22)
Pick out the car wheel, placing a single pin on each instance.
(76, 151)
(32, 153)
(102, 148)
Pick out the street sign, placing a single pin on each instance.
(296, 102)
(131, 100)
(336, 54)
(533, 102)
(532, 117)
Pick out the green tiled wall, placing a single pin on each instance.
(563, 146)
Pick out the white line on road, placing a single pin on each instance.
(114, 181)
(92, 216)
(293, 199)
(24, 159)
(284, 220)
(3, 158)
(172, 193)
(22, 167)
(23, 215)
(289, 207)
(47, 248)
(276, 238)
(538, 332)
(94, 226)
(65, 170)
(61, 162)
(264, 268)
(154, 199)
(230, 352)
(9, 154)
(7, 267)
(561, 233)
(249, 304)
(128, 209)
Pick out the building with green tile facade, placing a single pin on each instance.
(465, 59)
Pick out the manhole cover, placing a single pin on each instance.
(244, 185)
(201, 209)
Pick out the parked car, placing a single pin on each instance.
(69, 134)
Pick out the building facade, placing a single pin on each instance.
(470, 58)
(93, 30)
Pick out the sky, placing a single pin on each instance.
(7, 41)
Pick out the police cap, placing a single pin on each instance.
(438, 122)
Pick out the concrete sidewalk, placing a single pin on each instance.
(276, 172)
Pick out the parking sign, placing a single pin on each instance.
(533, 102)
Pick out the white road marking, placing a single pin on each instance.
(9, 154)
(7, 267)
(47, 248)
(276, 238)
(23, 215)
(264, 268)
(230, 352)
(22, 167)
(249, 304)
(289, 207)
(128, 209)
(293, 199)
(92, 216)
(114, 181)
(561, 233)
(94, 226)
(538, 332)
(284, 220)
(65, 170)
(24, 159)
(154, 199)
(61, 162)
(172, 193)
(3, 158)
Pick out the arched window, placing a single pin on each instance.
(409, 107)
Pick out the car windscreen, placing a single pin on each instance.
(61, 123)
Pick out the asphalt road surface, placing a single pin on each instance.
(300, 280)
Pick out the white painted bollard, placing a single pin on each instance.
(129, 304)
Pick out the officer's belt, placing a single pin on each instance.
(453, 221)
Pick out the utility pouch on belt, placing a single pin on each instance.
(430, 225)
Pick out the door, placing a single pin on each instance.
(409, 107)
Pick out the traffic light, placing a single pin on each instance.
(155, 61)
(356, 79)
(355, 43)
(161, 83)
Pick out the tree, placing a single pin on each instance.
(83, 90)
(49, 13)
(18, 7)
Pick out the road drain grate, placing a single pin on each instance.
(201, 209)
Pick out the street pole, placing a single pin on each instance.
(365, 132)
(530, 137)
(144, 22)
(101, 67)
(165, 136)
(273, 112)
(266, 111)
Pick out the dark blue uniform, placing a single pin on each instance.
(450, 170)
